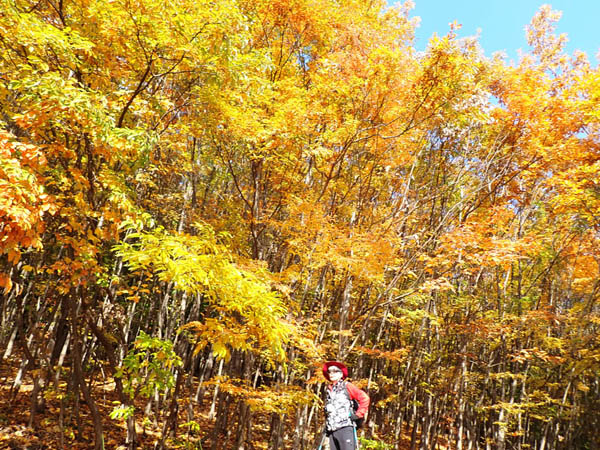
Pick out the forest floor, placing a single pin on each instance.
(77, 431)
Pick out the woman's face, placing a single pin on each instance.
(335, 373)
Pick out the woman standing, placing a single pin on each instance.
(340, 416)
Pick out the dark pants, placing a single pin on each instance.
(342, 439)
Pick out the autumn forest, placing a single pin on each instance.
(201, 201)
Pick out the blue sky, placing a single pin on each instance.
(502, 23)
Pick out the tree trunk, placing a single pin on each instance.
(80, 382)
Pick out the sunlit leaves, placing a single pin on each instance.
(280, 400)
(23, 200)
(148, 366)
(244, 312)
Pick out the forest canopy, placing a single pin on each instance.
(203, 201)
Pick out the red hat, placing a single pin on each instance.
(337, 364)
